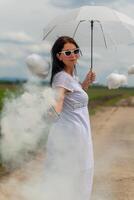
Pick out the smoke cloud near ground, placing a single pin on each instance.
(24, 123)
(25, 126)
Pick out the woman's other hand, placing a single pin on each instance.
(90, 77)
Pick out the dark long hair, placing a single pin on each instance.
(58, 65)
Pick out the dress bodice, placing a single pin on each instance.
(76, 97)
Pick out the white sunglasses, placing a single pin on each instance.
(69, 52)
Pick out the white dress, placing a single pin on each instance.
(69, 161)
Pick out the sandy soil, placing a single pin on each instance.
(113, 138)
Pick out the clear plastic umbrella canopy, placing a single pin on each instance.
(92, 26)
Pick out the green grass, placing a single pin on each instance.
(102, 96)
(6, 91)
(99, 91)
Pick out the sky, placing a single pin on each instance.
(21, 32)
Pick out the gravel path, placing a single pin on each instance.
(113, 137)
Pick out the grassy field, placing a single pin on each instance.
(6, 90)
(102, 96)
(98, 96)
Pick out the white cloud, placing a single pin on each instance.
(78, 3)
(43, 47)
(2, 52)
(29, 16)
(14, 71)
(7, 62)
(16, 37)
(13, 51)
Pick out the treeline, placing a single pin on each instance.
(12, 81)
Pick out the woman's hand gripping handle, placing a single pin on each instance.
(89, 79)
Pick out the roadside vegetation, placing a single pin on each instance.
(102, 96)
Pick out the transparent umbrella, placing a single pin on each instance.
(92, 26)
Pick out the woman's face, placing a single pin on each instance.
(69, 54)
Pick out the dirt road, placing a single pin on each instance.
(113, 137)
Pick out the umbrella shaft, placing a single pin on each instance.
(92, 22)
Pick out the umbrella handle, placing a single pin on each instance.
(91, 69)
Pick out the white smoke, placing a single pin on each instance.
(37, 65)
(24, 123)
(115, 80)
(54, 177)
(131, 70)
(25, 128)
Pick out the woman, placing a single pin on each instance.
(69, 163)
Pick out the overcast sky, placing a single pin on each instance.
(21, 33)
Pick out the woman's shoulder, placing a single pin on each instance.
(63, 79)
(62, 75)
(59, 74)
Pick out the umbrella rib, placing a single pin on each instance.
(49, 32)
(102, 32)
(77, 27)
